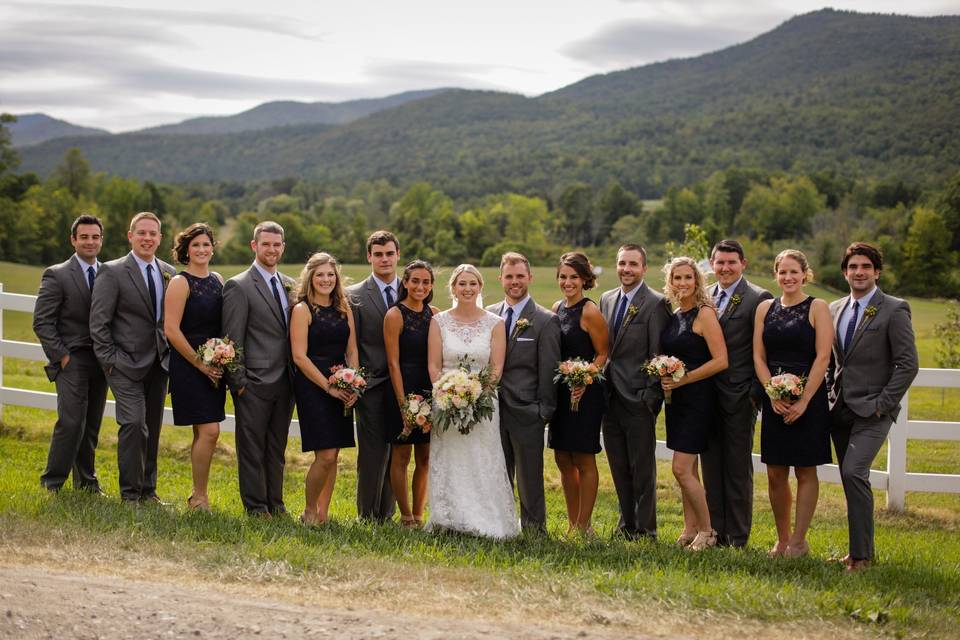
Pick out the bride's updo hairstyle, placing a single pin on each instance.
(305, 290)
(580, 263)
(459, 271)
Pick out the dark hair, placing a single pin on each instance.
(866, 250)
(382, 237)
(630, 246)
(728, 246)
(270, 227)
(580, 263)
(84, 218)
(413, 266)
(181, 244)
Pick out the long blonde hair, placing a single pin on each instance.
(701, 297)
(305, 290)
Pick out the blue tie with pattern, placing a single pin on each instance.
(851, 327)
(618, 319)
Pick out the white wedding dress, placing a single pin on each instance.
(469, 489)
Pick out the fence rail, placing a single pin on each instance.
(895, 480)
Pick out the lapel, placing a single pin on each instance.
(80, 279)
(875, 302)
(133, 270)
(640, 300)
(611, 308)
(267, 294)
(728, 310)
(373, 293)
(841, 309)
(526, 314)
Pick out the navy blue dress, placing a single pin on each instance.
(576, 431)
(692, 408)
(322, 423)
(791, 345)
(195, 399)
(413, 368)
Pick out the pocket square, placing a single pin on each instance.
(525, 339)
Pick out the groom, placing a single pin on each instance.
(370, 300)
(528, 396)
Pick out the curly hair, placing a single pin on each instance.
(701, 297)
(580, 263)
(306, 292)
(181, 244)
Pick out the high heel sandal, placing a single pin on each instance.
(797, 551)
(418, 521)
(704, 540)
(198, 504)
(685, 539)
(408, 521)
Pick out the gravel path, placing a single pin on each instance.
(39, 603)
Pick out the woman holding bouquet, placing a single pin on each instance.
(406, 327)
(793, 334)
(575, 428)
(695, 337)
(191, 316)
(322, 339)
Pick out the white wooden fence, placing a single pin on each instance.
(896, 480)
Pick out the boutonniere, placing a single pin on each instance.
(522, 325)
(166, 277)
(870, 311)
(735, 299)
(287, 286)
(632, 310)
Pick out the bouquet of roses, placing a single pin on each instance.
(349, 380)
(785, 386)
(462, 398)
(222, 353)
(663, 366)
(577, 373)
(416, 414)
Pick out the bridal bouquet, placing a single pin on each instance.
(663, 366)
(416, 414)
(462, 398)
(785, 386)
(349, 380)
(577, 373)
(222, 353)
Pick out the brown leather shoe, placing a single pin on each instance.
(856, 566)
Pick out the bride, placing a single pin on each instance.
(469, 489)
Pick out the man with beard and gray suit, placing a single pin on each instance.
(636, 316)
(874, 362)
(528, 395)
(727, 464)
(61, 321)
(256, 316)
(126, 327)
(370, 300)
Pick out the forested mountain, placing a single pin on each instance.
(864, 94)
(34, 128)
(283, 113)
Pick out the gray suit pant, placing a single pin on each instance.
(375, 499)
(728, 474)
(81, 395)
(140, 414)
(857, 441)
(631, 445)
(523, 453)
(263, 424)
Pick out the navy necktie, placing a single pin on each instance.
(618, 319)
(90, 276)
(153, 289)
(389, 292)
(851, 327)
(509, 320)
(276, 296)
(720, 299)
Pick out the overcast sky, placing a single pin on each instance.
(126, 65)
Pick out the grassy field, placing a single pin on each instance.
(914, 591)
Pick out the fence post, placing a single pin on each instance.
(1, 350)
(897, 457)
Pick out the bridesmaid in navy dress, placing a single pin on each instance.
(192, 316)
(794, 334)
(406, 327)
(693, 335)
(575, 435)
(322, 335)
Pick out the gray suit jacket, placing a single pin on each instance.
(740, 377)
(252, 319)
(61, 318)
(126, 334)
(368, 311)
(527, 386)
(637, 341)
(874, 373)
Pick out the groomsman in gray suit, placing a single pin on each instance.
(528, 395)
(874, 362)
(256, 315)
(727, 464)
(370, 300)
(636, 316)
(61, 321)
(126, 326)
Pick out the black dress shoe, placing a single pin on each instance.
(154, 500)
(94, 489)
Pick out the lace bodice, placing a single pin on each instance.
(466, 339)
